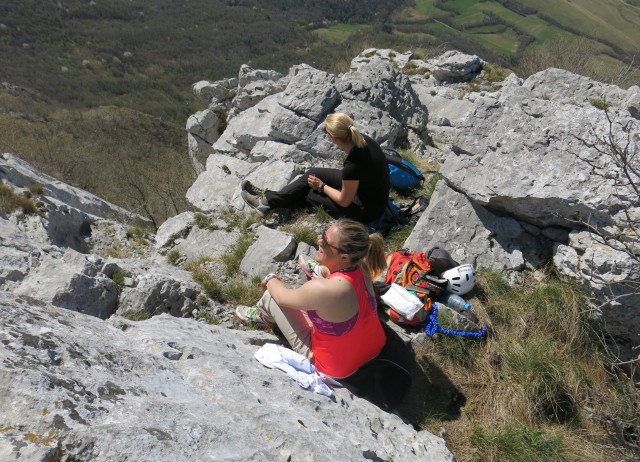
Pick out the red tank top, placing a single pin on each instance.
(341, 355)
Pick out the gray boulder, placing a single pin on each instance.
(205, 243)
(369, 55)
(611, 274)
(522, 156)
(72, 281)
(385, 88)
(472, 234)
(248, 128)
(154, 288)
(174, 228)
(454, 66)
(215, 93)
(169, 389)
(269, 247)
(215, 188)
(18, 253)
(310, 93)
(254, 86)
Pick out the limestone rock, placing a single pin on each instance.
(610, 273)
(72, 281)
(248, 128)
(204, 243)
(22, 175)
(534, 145)
(174, 228)
(18, 253)
(310, 92)
(215, 188)
(215, 92)
(455, 66)
(270, 246)
(384, 88)
(254, 86)
(154, 288)
(78, 388)
(472, 234)
(369, 55)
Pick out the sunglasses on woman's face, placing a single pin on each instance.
(326, 243)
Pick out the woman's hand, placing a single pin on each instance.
(268, 278)
(314, 182)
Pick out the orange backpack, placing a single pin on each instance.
(410, 270)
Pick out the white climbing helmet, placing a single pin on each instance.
(461, 279)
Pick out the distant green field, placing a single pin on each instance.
(507, 32)
(607, 20)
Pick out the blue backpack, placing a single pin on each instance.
(403, 174)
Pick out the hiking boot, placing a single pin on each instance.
(253, 315)
(312, 268)
(256, 202)
(246, 185)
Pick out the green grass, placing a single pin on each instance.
(599, 104)
(240, 292)
(209, 284)
(207, 317)
(395, 241)
(528, 383)
(136, 315)
(233, 258)
(118, 277)
(173, 256)
(517, 444)
(10, 201)
(302, 233)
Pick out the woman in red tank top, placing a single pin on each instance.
(333, 321)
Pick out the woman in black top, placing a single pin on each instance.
(359, 191)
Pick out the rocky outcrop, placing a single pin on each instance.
(524, 184)
(78, 388)
(285, 124)
(528, 176)
(522, 160)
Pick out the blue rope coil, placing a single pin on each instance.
(433, 328)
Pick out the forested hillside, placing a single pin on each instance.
(74, 70)
(145, 55)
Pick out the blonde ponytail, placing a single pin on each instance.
(340, 126)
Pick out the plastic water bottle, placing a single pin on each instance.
(454, 301)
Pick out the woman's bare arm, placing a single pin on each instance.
(317, 294)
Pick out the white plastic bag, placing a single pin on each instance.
(403, 302)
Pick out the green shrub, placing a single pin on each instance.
(118, 277)
(202, 221)
(173, 256)
(599, 103)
